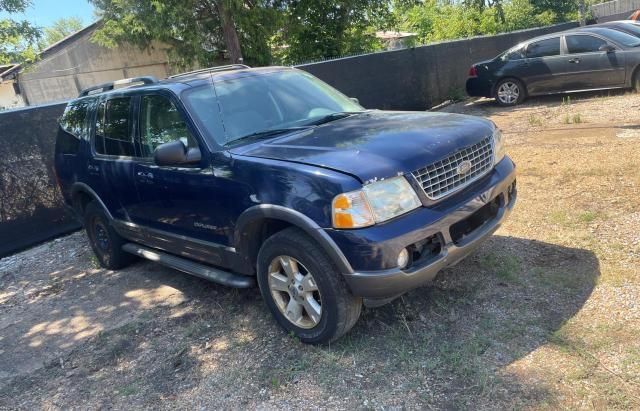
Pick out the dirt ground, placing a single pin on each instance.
(545, 315)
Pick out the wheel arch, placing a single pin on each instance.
(260, 222)
(82, 194)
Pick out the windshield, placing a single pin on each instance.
(265, 104)
(619, 37)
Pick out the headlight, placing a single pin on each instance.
(375, 203)
(498, 146)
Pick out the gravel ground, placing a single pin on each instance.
(544, 315)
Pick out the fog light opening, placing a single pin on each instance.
(403, 258)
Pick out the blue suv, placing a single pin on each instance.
(270, 176)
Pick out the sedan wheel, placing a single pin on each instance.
(295, 292)
(509, 93)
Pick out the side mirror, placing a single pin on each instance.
(608, 48)
(174, 153)
(355, 100)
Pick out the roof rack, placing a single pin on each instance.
(101, 88)
(213, 70)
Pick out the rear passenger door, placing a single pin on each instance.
(546, 66)
(588, 67)
(110, 168)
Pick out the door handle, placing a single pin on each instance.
(145, 175)
(91, 167)
(574, 60)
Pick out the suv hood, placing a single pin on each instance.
(375, 144)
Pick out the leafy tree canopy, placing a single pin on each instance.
(60, 29)
(289, 31)
(18, 39)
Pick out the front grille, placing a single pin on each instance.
(442, 178)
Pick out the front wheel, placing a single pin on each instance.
(510, 92)
(636, 81)
(303, 289)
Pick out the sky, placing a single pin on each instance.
(44, 12)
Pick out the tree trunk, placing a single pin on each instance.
(582, 13)
(229, 32)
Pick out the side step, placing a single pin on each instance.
(191, 267)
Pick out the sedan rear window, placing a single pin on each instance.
(544, 48)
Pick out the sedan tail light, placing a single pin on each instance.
(473, 71)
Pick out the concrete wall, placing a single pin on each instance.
(614, 10)
(420, 77)
(61, 74)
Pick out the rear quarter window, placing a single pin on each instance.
(73, 127)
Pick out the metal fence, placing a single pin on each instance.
(31, 207)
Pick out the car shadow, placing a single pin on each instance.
(154, 335)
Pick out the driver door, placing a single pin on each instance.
(177, 204)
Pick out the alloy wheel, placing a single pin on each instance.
(295, 292)
(508, 92)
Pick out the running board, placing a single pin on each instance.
(191, 267)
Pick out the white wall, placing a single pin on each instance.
(8, 97)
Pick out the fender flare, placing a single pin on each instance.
(295, 218)
(83, 188)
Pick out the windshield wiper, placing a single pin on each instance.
(265, 134)
(332, 117)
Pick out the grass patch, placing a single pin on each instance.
(505, 267)
(535, 121)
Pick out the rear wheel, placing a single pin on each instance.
(510, 92)
(105, 242)
(303, 289)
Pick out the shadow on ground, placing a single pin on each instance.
(150, 337)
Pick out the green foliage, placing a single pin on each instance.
(433, 20)
(291, 31)
(315, 29)
(60, 29)
(193, 29)
(18, 39)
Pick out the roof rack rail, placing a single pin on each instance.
(213, 70)
(101, 88)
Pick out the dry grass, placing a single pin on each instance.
(545, 315)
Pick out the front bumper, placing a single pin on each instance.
(500, 190)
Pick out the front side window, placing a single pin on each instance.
(232, 109)
(544, 48)
(161, 122)
(113, 128)
(584, 44)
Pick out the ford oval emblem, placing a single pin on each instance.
(464, 167)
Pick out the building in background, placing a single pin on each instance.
(74, 63)
(8, 96)
(394, 40)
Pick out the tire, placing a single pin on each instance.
(636, 81)
(105, 242)
(339, 310)
(510, 92)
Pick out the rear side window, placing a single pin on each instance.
(544, 48)
(584, 44)
(73, 127)
(113, 128)
(515, 54)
